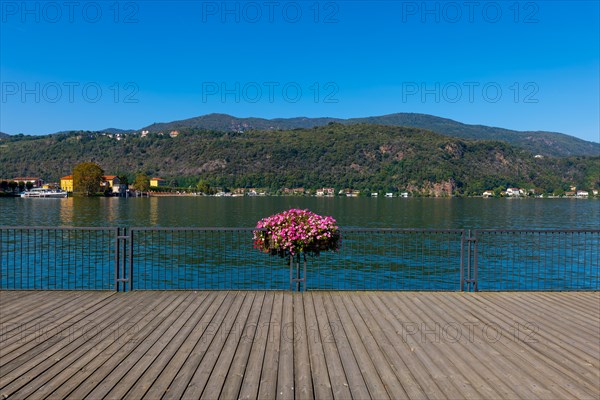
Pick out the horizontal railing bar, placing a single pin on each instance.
(191, 228)
(60, 228)
(536, 231)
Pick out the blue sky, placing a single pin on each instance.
(97, 64)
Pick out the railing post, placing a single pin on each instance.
(123, 257)
(117, 259)
(130, 258)
(475, 265)
(295, 265)
(462, 261)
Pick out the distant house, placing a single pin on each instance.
(66, 183)
(514, 192)
(488, 193)
(389, 194)
(110, 182)
(595, 192)
(296, 191)
(174, 134)
(36, 182)
(113, 183)
(582, 193)
(539, 156)
(570, 194)
(157, 182)
(374, 194)
(404, 194)
(145, 133)
(325, 192)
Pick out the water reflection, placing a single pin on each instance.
(350, 212)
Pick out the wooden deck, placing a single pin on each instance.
(321, 345)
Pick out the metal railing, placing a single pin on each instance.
(541, 260)
(33, 258)
(48, 258)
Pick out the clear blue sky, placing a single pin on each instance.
(99, 64)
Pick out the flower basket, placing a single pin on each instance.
(295, 232)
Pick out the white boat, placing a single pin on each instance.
(44, 193)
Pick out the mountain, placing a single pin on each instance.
(228, 123)
(116, 130)
(360, 156)
(4, 135)
(544, 143)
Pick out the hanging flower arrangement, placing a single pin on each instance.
(294, 232)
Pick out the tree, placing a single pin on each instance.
(142, 182)
(203, 186)
(87, 177)
(13, 186)
(123, 179)
(4, 186)
(29, 185)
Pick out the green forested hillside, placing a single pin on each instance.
(362, 156)
(545, 143)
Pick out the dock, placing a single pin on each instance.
(299, 345)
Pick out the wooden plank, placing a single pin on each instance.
(407, 330)
(83, 361)
(576, 336)
(14, 332)
(285, 374)
(223, 338)
(252, 374)
(133, 370)
(383, 336)
(159, 362)
(535, 364)
(302, 373)
(268, 378)
(235, 375)
(17, 302)
(414, 380)
(173, 343)
(32, 308)
(115, 370)
(389, 379)
(221, 359)
(337, 375)
(37, 360)
(79, 361)
(184, 377)
(25, 357)
(369, 372)
(486, 373)
(159, 387)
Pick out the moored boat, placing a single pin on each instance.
(44, 193)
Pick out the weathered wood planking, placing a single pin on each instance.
(311, 345)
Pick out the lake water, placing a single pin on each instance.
(349, 212)
(165, 258)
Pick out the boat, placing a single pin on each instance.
(44, 193)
